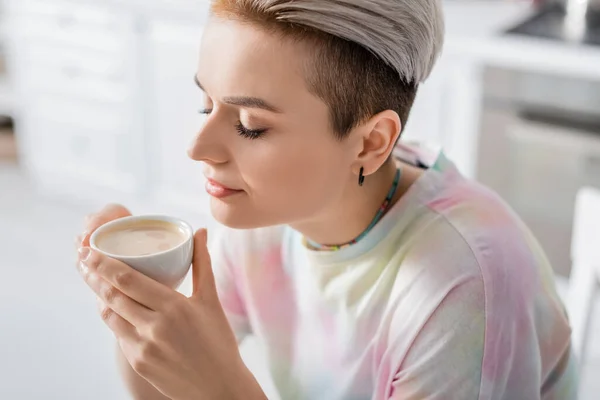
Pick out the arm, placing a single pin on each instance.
(445, 360)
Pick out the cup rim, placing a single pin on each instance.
(155, 217)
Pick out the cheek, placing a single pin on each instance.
(298, 175)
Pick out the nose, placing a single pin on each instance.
(208, 146)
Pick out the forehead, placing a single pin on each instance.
(242, 59)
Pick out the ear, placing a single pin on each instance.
(379, 136)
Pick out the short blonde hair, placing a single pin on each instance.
(370, 55)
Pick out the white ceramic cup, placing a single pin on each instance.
(168, 267)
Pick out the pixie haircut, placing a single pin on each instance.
(369, 55)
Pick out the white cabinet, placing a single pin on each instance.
(78, 24)
(446, 112)
(106, 101)
(75, 68)
(77, 148)
(426, 117)
(173, 50)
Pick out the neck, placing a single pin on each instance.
(347, 219)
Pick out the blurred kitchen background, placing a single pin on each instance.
(97, 105)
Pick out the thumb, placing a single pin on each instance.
(202, 273)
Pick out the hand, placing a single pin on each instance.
(95, 221)
(182, 346)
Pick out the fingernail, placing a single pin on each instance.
(83, 268)
(84, 253)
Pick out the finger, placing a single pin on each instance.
(78, 240)
(86, 220)
(133, 284)
(107, 214)
(202, 273)
(115, 322)
(130, 310)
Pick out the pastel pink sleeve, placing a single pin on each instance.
(445, 360)
(228, 285)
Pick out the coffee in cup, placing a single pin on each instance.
(160, 247)
(141, 238)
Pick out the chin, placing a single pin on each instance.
(236, 216)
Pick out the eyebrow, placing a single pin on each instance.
(244, 101)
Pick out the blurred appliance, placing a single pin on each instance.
(540, 143)
(576, 21)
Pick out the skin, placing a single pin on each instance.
(296, 173)
(173, 347)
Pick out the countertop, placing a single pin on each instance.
(474, 31)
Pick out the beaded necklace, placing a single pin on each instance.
(380, 213)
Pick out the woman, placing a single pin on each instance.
(363, 275)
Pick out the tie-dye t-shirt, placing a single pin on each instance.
(448, 297)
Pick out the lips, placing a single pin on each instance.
(219, 190)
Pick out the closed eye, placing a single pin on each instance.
(249, 133)
(241, 129)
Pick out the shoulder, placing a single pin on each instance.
(471, 245)
(489, 233)
(467, 223)
(467, 243)
(478, 216)
(485, 289)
